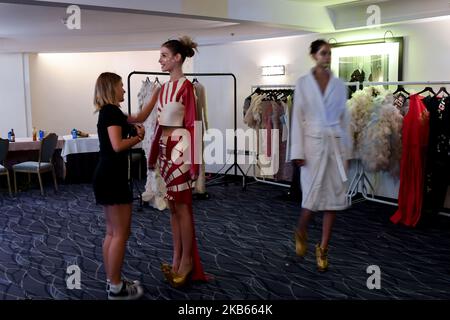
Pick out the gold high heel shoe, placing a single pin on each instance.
(321, 258)
(167, 271)
(301, 244)
(179, 280)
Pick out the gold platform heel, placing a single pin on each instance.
(178, 280)
(301, 244)
(322, 258)
(167, 271)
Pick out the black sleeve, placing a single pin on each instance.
(112, 116)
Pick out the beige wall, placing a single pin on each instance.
(14, 104)
(62, 86)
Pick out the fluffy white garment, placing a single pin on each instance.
(376, 127)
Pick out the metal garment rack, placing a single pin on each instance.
(281, 86)
(235, 165)
(266, 86)
(360, 178)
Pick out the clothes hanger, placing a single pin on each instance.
(427, 89)
(268, 95)
(157, 81)
(194, 80)
(401, 89)
(273, 94)
(257, 91)
(281, 95)
(442, 90)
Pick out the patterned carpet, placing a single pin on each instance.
(246, 244)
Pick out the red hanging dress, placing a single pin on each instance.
(412, 166)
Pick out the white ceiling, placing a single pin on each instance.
(325, 2)
(17, 20)
(113, 25)
(40, 28)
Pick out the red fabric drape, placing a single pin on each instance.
(412, 166)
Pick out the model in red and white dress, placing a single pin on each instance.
(173, 149)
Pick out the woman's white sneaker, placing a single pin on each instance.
(128, 291)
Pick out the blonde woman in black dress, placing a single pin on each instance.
(111, 187)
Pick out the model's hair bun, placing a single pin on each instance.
(189, 44)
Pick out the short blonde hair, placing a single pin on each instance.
(104, 89)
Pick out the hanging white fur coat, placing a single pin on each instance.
(320, 135)
(155, 187)
(202, 115)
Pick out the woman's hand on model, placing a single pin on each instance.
(299, 162)
(140, 131)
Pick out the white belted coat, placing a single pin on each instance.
(320, 135)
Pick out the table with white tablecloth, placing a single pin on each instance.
(80, 145)
(81, 156)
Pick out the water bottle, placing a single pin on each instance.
(41, 134)
(9, 136)
(74, 133)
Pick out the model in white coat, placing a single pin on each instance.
(320, 144)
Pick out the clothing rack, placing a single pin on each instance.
(268, 86)
(351, 84)
(281, 86)
(275, 86)
(360, 178)
(235, 165)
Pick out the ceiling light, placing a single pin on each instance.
(273, 70)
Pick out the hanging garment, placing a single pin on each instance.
(286, 166)
(320, 135)
(284, 171)
(202, 115)
(246, 105)
(412, 169)
(284, 118)
(438, 157)
(361, 107)
(401, 103)
(155, 189)
(267, 114)
(381, 138)
(267, 124)
(253, 117)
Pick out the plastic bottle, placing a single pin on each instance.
(74, 133)
(34, 134)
